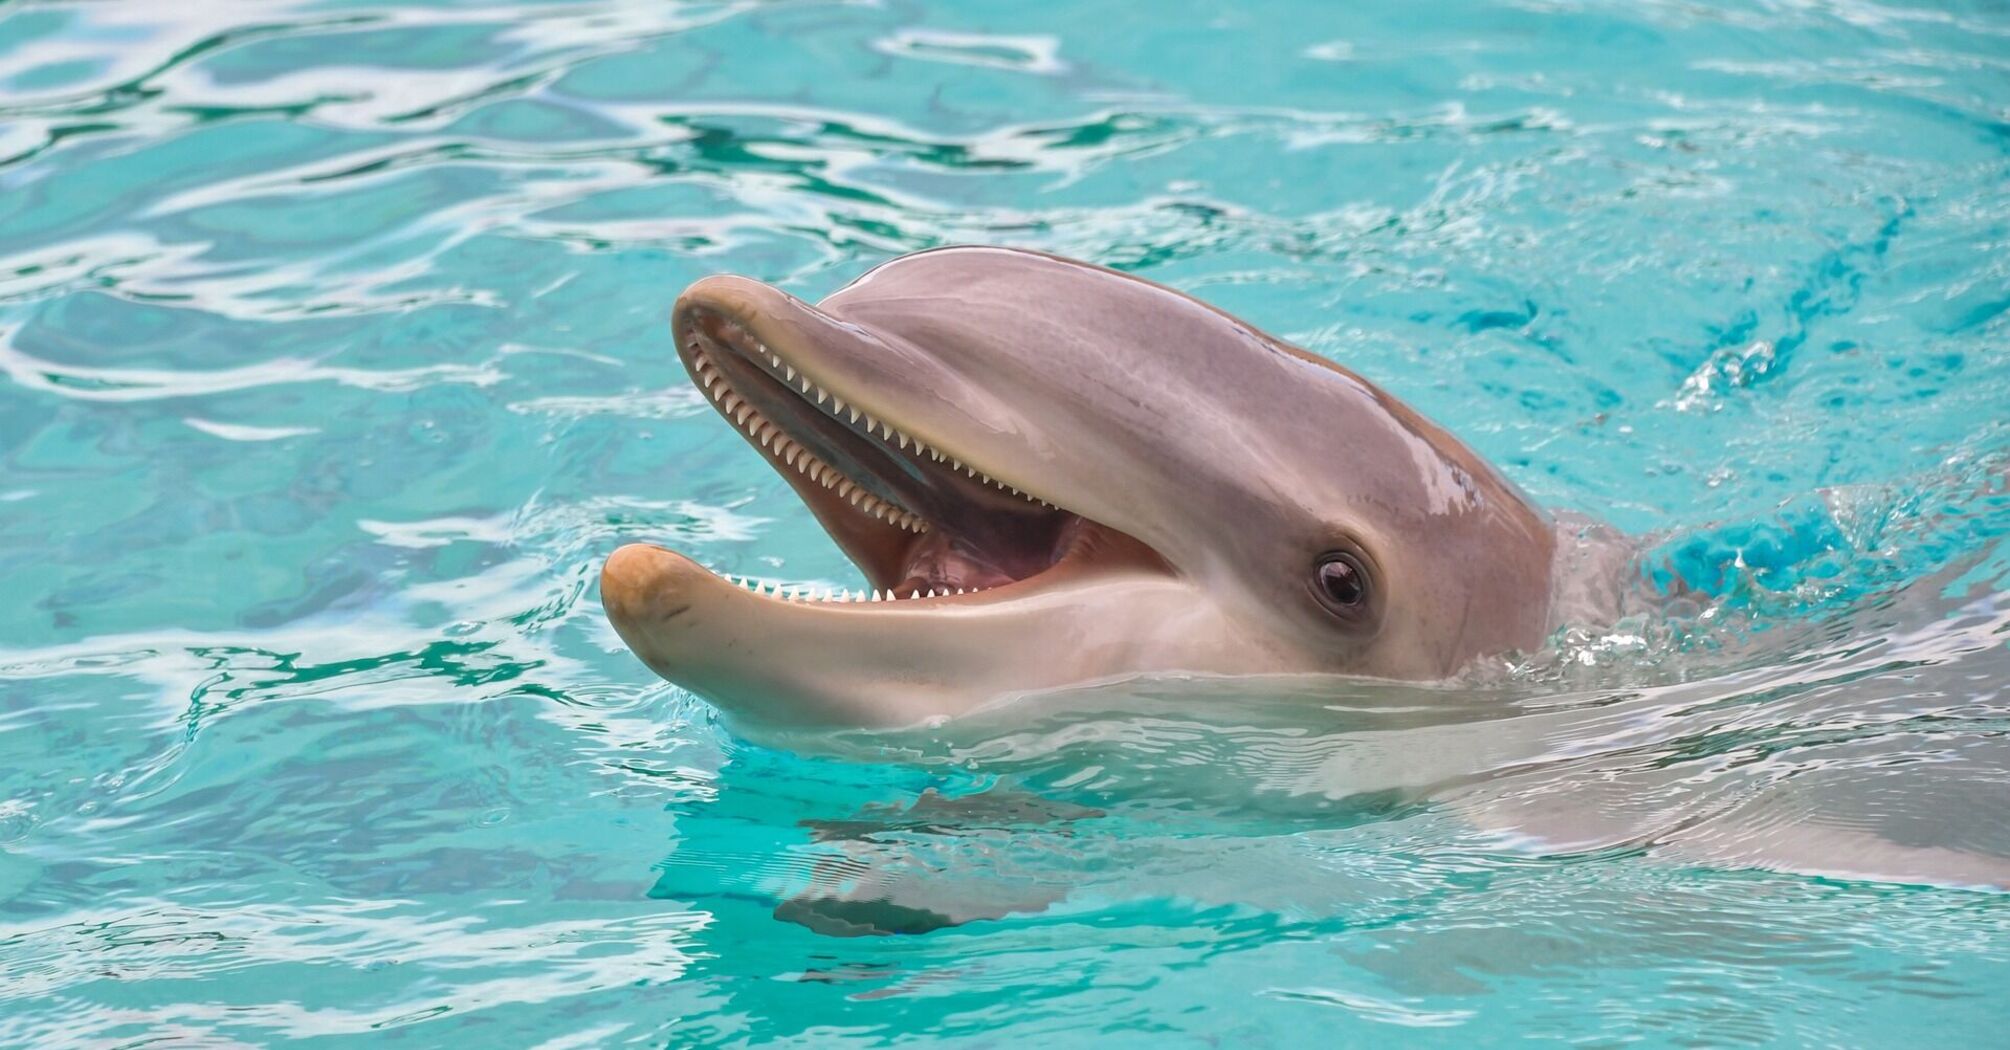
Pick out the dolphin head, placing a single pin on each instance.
(1051, 473)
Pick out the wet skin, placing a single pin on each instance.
(1051, 474)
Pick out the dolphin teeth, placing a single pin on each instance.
(916, 594)
(778, 443)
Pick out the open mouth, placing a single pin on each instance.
(922, 522)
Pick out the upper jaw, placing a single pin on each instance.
(907, 507)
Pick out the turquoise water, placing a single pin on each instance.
(333, 359)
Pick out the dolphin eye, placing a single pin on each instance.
(1341, 583)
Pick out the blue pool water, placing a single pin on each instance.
(333, 359)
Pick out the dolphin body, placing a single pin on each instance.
(1056, 477)
(1054, 474)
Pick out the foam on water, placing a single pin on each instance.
(333, 357)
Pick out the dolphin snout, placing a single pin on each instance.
(639, 587)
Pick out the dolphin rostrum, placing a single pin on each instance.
(1052, 474)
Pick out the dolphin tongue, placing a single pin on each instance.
(977, 553)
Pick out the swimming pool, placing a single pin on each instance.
(333, 360)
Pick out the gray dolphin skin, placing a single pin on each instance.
(1052, 474)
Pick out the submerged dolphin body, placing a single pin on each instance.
(1053, 474)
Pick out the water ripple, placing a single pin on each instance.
(332, 362)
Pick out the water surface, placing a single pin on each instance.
(333, 359)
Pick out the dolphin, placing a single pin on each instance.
(1054, 474)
